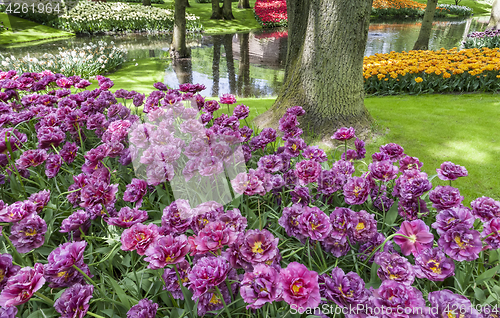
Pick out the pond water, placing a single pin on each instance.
(252, 64)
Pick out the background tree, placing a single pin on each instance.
(227, 40)
(324, 67)
(244, 4)
(225, 12)
(426, 28)
(244, 65)
(178, 49)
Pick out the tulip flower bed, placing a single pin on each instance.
(89, 17)
(271, 13)
(302, 232)
(88, 60)
(452, 70)
(488, 38)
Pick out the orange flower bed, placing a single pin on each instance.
(398, 4)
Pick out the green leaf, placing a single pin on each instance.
(120, 292)
(487, 275)
(392, 214)
(479, 294)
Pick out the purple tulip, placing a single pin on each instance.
(450, 171)
(31, 158)
(270, 163)
(76, 224)
(412, 184)
(449, 304)
(409, 163)
(364, 226)
(356, 190)
(17, 211)
(50, 136)
(40, 199)
(410, 209)
(144, 309)
(383, 170)
(344, 133)
(485, 208)
(206, 274)
(139, 237)
(167, 250)
(307, 171)
(301, 196)
(21, 286)
(258, 246)
(491, 233)
(329, 182)
(135, 191)
(28, 234)
(74, 301)
(127, 217)
(7, 269)
(289, 221)
(461, 243)
(315, 153)
(366, 249)
(445, 197)
(397, 297)
(345, 290)
(69, 152)
(450, 218)
(52, 166)
(260, 286)
(300, 287)
(212, 238)
(394, 151)
(394, 267)
(176, 217)
(211, 301)
(314, 224)
(418, 237)
(432, 264)
(172, 283)
(59, 271)
(8, 312)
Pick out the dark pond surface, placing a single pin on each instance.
(252, 64)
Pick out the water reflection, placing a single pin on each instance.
(252, 64)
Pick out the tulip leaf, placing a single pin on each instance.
(120, 292)
(392, 214)
(487, 275)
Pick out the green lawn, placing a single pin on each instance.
(244, 18)
(479, 7)
(21, 30)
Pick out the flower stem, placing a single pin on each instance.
(223, 301)
(94, 315)
(96, 286)
(47, 299)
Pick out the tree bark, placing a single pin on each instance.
(215, 65)
(244, 4)
(227, 10)
(178, 49)
(324, 67)
(216, 10)
(244, 66)
(426, 28)
(183, 70)
(146, 3)
(228, 48)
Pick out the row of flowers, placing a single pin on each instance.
(299, 230)
(489, 38)
(88, 60)
(89, 17)
(451, 70)
(272, 13)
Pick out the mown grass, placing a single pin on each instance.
(244, 18)
(21, 30)
(479, 7)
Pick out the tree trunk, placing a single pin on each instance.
(244, 66)
(425, 31)
(215, 65)
(146, 3)
(324, 67)
(228, 48)
(178, 48)
(244, 4)
(227, 10)
(187, 4)
(216, 10)
(183, 70)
